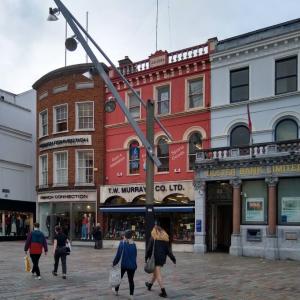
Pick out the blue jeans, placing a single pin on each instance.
(83, 231)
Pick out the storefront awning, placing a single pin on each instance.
(141, 209)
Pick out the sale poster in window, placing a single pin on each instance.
(254, 209)
(290, 209)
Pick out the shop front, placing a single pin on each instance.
(250, 207)
(74, 211)
(123, 207)
(16, 219)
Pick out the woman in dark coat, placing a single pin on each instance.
(97, 234)
(162, 249)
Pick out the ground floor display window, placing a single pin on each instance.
(77, 220)
(254, 202)
(180, 226)
(14, 223)
(289, 201)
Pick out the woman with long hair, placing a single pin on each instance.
(159, 242)
(127, 251)
(60, 251)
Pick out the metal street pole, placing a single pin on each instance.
(149, 215)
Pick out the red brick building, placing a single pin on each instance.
(70, 149)
(179, 84)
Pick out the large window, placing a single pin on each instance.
(163, 100)
(43, 123)
(134, 105)
(85, 167)
(43, 174)
(85, 115)
(286, 75)
(254, 196)
(61, 118)
(134, 157)
(195, 93)
(239, 85)
(240, 136)
(289, 201)
(61, 168)
(163, 154)
(195, 143)
(286, 130)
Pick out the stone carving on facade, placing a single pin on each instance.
(200, 186)
(236, 182)
(271, 181)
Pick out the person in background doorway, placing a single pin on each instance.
(162, 249)
(97, 234)
(35, 242)
(127, 250)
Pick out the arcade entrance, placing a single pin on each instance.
(218, 216)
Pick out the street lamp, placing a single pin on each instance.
(110, 106)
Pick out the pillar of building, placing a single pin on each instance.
(200, 234)
(271, 245)
(236, 239)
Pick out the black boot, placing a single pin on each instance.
(163, 293)
(148, 285)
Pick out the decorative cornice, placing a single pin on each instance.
(199, 186)
(236, 182)
(271, 181)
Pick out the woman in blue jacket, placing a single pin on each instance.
(127, 250)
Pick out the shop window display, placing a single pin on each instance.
(183, 227)
(15, 223)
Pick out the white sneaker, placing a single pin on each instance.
(114, 291)
(38, 277)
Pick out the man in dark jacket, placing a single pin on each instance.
(159, 243)
(97, 234)
(35, 242)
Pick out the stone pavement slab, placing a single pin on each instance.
(195, 277)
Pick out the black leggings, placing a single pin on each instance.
(63, 258)
(130, 274)
(35, 261)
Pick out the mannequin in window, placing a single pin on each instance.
(84, 223)
(8, 224)
(13, 225)
(48, 224)
(90, 226)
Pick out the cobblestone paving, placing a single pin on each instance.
(195, 277)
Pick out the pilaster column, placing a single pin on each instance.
(272, 213)
(236, 184)
(271, 244)
(200, 222)
(236, 240)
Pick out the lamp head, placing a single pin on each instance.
(53, 12)
(110, 105)
(71, 44)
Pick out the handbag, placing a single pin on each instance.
(68, 248)
(150, 263)
(115, 273)
(27, 263)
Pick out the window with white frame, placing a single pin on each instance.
(61, 168)
(43, 176)
(43, 123)
(134, 105)
(195, 143)
(163, 99)
(85, 167)
(195, 92)
(85, 115)
(61, 118)
(163, 154)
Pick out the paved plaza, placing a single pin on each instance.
(209, 276)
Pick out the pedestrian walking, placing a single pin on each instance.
(60, 251)
(127, 251)
(159, 243)
(35, 243)
(97, 234)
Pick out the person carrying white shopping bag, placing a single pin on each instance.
(126, 255)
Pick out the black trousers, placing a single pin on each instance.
(130, 275)
(63, 258)
(98, 244)
(35, 261)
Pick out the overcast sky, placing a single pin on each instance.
(31, 46)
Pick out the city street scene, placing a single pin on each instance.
(149, 149)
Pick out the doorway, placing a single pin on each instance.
(219, 216)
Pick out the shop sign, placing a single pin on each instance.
(279, 169)
(254, 209)
(68, 196)
(198, 225)
(220, 173)
(158, 59)
(66, 141)
(290, 209)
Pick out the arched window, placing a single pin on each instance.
(286, 130)
(195, 143)
(240, 136)
(134, 157)
(163, 154)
